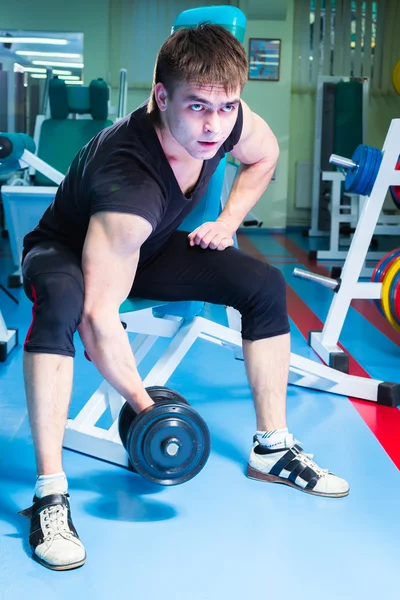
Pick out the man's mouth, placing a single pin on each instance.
(209, 144)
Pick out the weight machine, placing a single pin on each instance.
(17, 152)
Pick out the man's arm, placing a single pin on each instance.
(258, 151)
(109, 262)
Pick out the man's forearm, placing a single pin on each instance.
(249, 186)
(108, 347)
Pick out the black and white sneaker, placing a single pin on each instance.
(53, 537)
(291, 466)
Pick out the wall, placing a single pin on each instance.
(50, 15)
(271, 100)
(381, 111)
(301, 149)
(135, 97)
(291, 116)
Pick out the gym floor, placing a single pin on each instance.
(221, 535)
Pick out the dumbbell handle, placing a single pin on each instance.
(341, 161)
(333, 284)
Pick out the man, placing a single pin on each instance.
(111, 233)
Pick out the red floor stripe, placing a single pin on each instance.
(287, 255)
(364, 307)
(383, 421)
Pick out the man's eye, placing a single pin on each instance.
(228, 108)
(196, 107)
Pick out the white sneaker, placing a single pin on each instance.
(53, 537)
(291, 466)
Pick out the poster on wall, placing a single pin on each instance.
(264, 59)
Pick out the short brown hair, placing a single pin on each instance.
(206, 54)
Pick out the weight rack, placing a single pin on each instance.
(325, 342)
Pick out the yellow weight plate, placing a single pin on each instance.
(385, 296)
(396, 77)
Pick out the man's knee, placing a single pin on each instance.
(57, 310)
(258, 282)
(264, 311)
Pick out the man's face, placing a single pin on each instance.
(200, 117)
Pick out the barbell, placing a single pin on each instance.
(362, 170)
(167, 443)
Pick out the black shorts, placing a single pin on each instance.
(53, 280)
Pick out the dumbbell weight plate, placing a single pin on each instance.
(381, 270)
(168, 443)
(396, 296)
(394, 299)
(157, 393)
(385, 297)
(127, 415)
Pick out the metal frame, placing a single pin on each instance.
(8, 339)
(350, 213)
(27, 160)
(325, 342)
(122, 95)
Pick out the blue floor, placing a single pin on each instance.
(220, 536)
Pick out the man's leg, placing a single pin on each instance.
(275, 456)
(53, 281)
(48, 386)
(258, 291)
(267, 367)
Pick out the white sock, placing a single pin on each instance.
(51, 484)
(275, 438)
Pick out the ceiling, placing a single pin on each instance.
(10, 50)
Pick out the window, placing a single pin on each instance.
(355, 38)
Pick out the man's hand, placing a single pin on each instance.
(213, 235)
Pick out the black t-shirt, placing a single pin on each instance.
(124, 169)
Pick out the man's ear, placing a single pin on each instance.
(161, 95)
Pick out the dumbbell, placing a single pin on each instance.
(167, 443)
